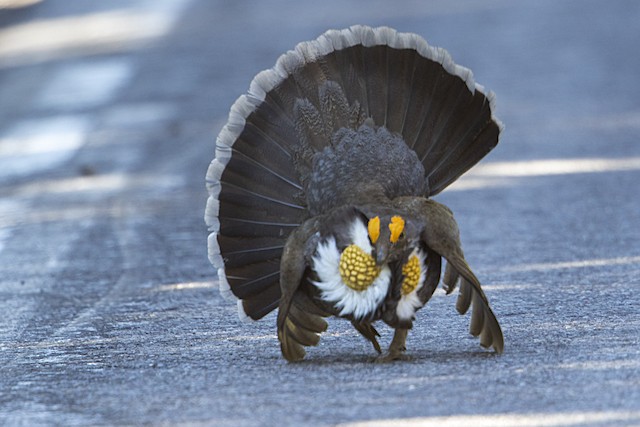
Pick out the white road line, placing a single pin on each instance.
(556, 167)
(587, 263)
(138, 114)
(501, 174)
(85, 85)
(553, 419)
(33, 145)
(114, 29)
(37, 144)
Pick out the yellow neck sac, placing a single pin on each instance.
(358, 269)
(411, 272)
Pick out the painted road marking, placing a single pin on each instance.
(85, 85)
(32, 145)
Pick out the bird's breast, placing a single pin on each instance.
(349, 279)
(414, 274)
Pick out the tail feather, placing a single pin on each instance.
(488, 138)
(335, 108)
(468, 144)
(350, 74)
(265, 151)
(237, 253)
(259, 305)
(439, 125)
(270, 202)
(241, 228)
(426, 114)
(310, 129)
(398, 101)
(263, 172)
(375, 58)
(250, 279)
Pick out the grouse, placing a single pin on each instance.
(320, 189)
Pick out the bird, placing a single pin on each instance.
(321, 189)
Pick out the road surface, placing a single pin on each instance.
(110, 308)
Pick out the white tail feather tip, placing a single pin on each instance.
(211, 214)
(223, 285)
(215, 257)
(242, 315)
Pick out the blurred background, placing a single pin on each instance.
(110, 311)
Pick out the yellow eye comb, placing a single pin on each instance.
(374, 229)
(396, 227)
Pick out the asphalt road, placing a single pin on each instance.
(110, 309)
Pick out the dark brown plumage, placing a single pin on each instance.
(319, 192)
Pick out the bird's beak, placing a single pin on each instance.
(381, 255)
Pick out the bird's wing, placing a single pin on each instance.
(299, 319)
(440, 233)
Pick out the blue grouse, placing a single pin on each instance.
(319, 193)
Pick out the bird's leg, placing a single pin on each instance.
(399, 342)
(369, 332)
(397, 347)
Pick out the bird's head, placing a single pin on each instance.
(372, 244)
(357, 254)
(390, 236)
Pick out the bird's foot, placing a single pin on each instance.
(397, 351)
(397, 348)
(391, 356)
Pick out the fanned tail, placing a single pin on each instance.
(264, 153)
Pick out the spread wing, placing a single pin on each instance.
(440, 233)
